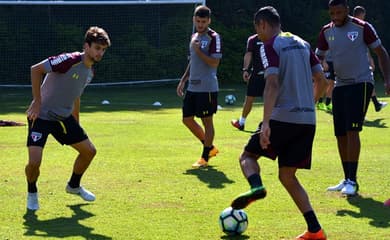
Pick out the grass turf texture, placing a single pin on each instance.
(145, 186)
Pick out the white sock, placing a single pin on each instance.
(242, 121)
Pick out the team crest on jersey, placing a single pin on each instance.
(35, 136)
(352, 35)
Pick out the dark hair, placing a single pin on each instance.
(97, 35)
(268, 14)
(202, 12)
(358, 10)
(338, 2)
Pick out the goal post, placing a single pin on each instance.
(149, 37)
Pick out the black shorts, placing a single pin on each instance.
(255, 86)
(290, 143)
(200, 104)
(330, 73)
(350, 105)
(66, 132)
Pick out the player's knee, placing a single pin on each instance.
(92, 151)
(245, 157)
(33, 164)
(287, 179)
(89, 153)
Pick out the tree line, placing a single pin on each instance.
(234, 21)
(151, 41)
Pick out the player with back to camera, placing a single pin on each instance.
(55, 110)
(200, 99)
(348, 39)
(289, 120)
(360, 12)
(254, 77)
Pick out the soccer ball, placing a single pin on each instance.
(233, 221)
(230, 99)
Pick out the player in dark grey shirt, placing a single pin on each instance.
(55, 110)
(288, 126)
(253, 75)
(348, 39)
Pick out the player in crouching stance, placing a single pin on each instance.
(288, 126)
(55, 110)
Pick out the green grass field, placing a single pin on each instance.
(145, 186)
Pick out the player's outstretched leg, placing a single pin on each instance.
(246, 198)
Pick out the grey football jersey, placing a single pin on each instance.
(291, 58)
(348, 45)
(203, 78)
(65, 81)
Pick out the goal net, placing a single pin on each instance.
(149, 37)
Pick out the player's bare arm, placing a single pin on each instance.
(245, 69)
(324, 65)
(212, 62)
(320, 85)
(37, 73)
(183, 80)
(384, 65)
(271, 92)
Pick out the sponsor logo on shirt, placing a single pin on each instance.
(263, 57)
(35, 136)
(59, 59)
(217, 44)
(352, 35)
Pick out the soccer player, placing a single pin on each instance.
(348, 39)
(200, 99)
(288, 126)
(253, 76)
(55, 110)
(360, 12)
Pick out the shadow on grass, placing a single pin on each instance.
(210, 176)
(61, 227)
(235, 237)
(368, 208)
(378, 123)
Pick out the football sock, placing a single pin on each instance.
(328, 100)
(375, 100)
(320, 100)
(346, 170)
(32, 187)
(205, 153)
(353, 166)
(74, 181)
(255, 180)
(242, 121)
(312, 222)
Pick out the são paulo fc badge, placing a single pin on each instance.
(352, 35)
(36, 136)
